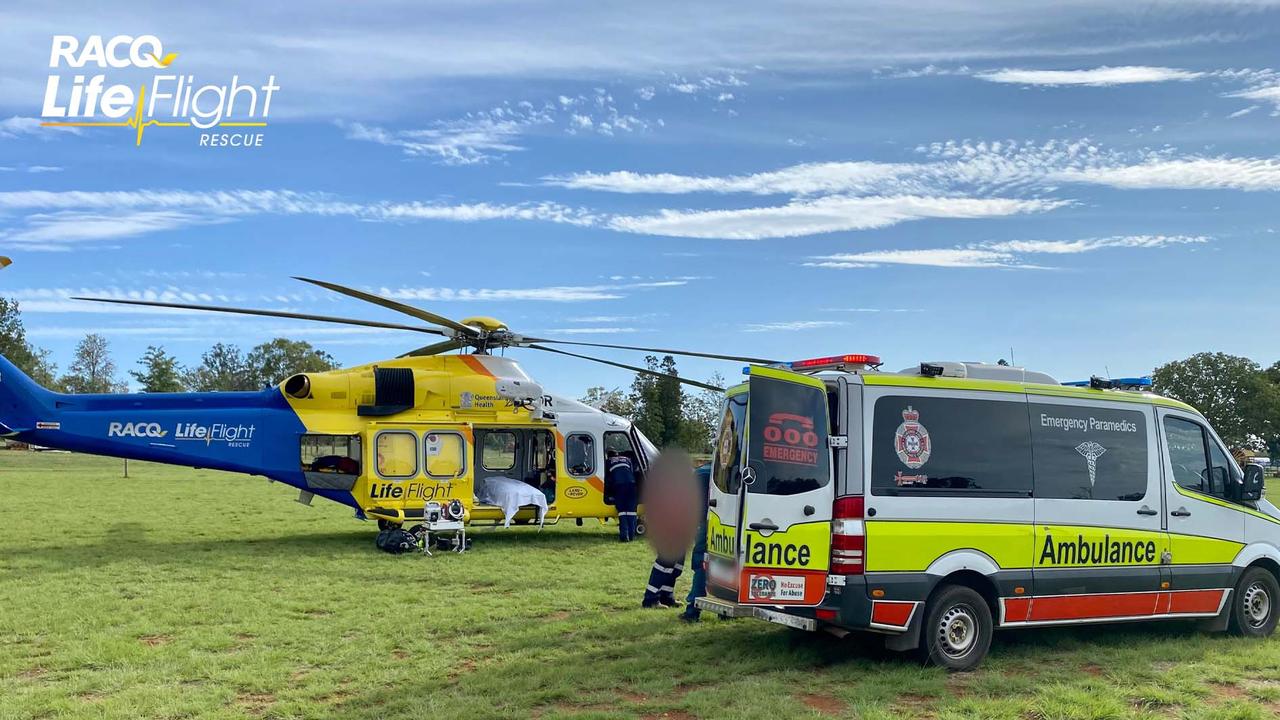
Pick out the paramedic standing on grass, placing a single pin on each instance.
(620, 491)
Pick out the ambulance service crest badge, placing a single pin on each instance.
(912, 440)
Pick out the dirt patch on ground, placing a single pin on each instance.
(1091, 669)
(34, 673)
(920, 706)
(825, 704)
(255, 703)
(399, 654)
(671, 715)
(560, 615)
(155, 640)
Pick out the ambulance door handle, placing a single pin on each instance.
(1181, 512)
(1144, 510)
(763, 526)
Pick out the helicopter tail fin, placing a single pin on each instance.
(22, 400)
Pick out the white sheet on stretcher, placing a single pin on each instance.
(510, 495)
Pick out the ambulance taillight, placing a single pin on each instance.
(848, 538)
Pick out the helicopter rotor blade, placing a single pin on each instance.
(393, 305)
(633, 368)
(435, 348)
(690, 353)
(268, 313)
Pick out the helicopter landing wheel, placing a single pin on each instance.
(389, 525)
(640, 527)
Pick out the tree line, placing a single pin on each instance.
(224, 367)
(1240, 398)
(662, 409)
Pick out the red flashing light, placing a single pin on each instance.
(835, 361)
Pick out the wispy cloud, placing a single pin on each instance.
(1003, 255)
(555, 293)
(17, 126)
(594, 330)
(791, 325)
(823, 215)
(1095, 77)
(1251, 174)
(60, 220)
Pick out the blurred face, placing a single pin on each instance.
(672, 504)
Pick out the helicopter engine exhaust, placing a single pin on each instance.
(298, 386)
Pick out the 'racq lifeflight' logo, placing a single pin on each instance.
(78, 99)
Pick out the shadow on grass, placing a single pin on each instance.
(130, 542)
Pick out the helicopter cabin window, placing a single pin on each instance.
(330, 454)
(621, 443)
(498, 452)
(397, 454)
(580, 454)
(446, 455)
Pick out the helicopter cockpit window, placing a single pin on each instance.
(446, 455)
(580, 454)
(337, 454)
(397, 454)
(499, 451)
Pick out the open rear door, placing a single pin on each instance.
(784, 540)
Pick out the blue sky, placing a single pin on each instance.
(1090, 186)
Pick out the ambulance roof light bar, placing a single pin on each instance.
(1132, 383)
(848, 361)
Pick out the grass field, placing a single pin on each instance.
(181, 593)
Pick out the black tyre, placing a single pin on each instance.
(1253, 604)
(957, 628)
(387, 525)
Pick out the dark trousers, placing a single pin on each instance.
(662, 582)
(626, 501)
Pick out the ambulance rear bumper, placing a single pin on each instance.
(725, 608)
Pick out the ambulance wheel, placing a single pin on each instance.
(957, 628)
(1253, 605)
(388, 525)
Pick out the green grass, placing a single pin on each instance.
(180, 593)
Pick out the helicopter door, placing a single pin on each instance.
(784, 538)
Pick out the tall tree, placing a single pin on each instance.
(613, 401)
(221, 369)
(1231, 391)
(273, 361)
(13, 345)
(659, 402)
(160, 372)
(92, 370)
(702, 416)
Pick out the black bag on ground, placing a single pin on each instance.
(396, 541)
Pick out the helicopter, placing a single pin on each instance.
(388, 438)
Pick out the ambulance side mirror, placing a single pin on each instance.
(1253, 482)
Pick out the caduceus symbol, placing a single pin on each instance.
(1091, 452)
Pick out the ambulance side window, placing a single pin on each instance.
(580, 454)
(446, 455)
(1221, 471)
(1188, 454)
(934, 446)
(1089, 453)
(397, 453)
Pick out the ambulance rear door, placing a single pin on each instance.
(724, 500)
(784, 538)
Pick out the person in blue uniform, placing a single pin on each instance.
(698, 587)
(620, 491)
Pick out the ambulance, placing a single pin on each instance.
(938, 504)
